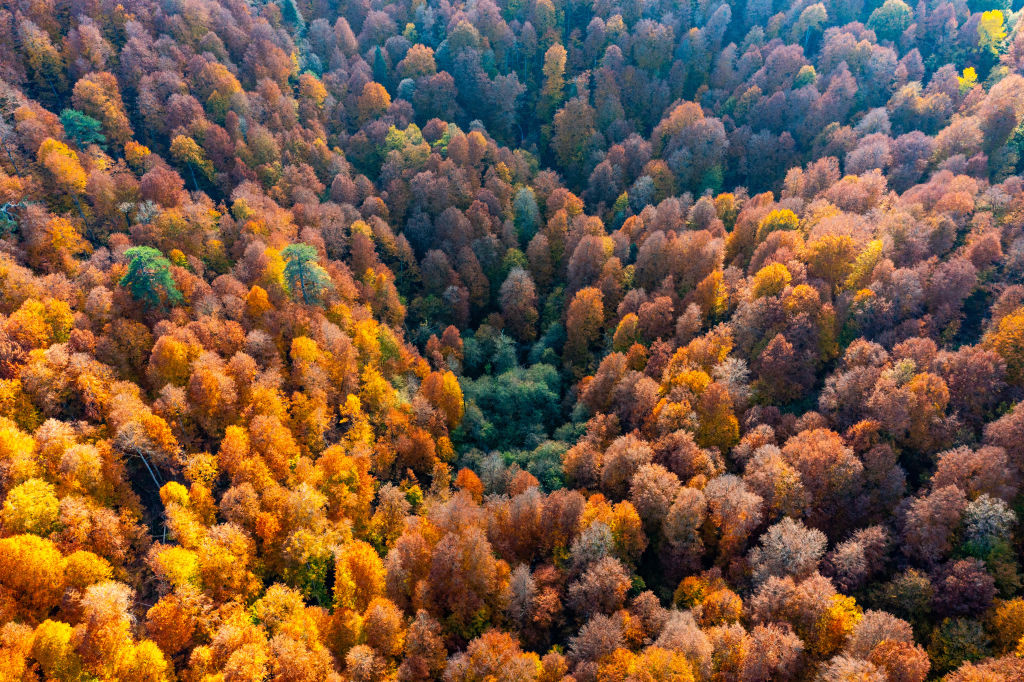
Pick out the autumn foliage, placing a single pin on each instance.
(502, 341)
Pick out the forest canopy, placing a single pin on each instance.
(511, 340)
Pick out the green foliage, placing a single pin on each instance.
(527, 215)
(291, 13)
(149, 278)
(891, 19)
(544, 462)
(957, 640)
(305, 277)
(518, 407)
(84, 130)
(312, 578)
(489, 351)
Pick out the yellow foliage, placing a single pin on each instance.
(53, 649)
(834, 626)
(443, 391)
(694, 380)
(778, 219)
(312, 89)
(991, 31)
(623, 521)
(655, 664)
(83, 568)
(17, 406)
(1007, 339)
(257, 302)
(803, 298)
(373, 101)
(359, 576)
(770, 280)
(1007, 624)
(170, 362)
(145, 662)
(33, 569)
(136, 155)
(31, 507)
(175, 566)
(62, 163)
(375, 392)
(17, 453)
(863, 265)
(38, 324)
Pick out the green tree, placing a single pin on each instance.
(891, 19)
(83, 129)
(149, 277)
(291, 13)
(185, 150)
(304, 274)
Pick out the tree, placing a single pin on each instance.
(424, 650)
(787, 548)
(187, 152)
(493, 656)
(831, 258)
(956, 640)
(44, 59)
(779, 219)
(83, 129)
(830, 473)
(891, 19)
(443, 391)
(63, 165)
(734, 512)
(601, 589)
(770, 280)
(991, 32)
(774, 652)
(554, 81)
(32, 569)
(31, 507)
(97, 94)
(359, 576)
(583, 325)
(465, 582)
(574, 137)
(373, 101)
(518, 297)
(303, 274)
(148, 278)
(930, 522)
(1007, 339)
(417, 63)
(54, 244)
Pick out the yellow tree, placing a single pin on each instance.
(554, 81)
(831, 258)
(43, 58)
(583, 325)
(991, 32)
(54, 244)
(63, 165)
(97, 95)
(373, 101)
(186, 152)
(443, 391)
(770, 280)
(359, 576)
(32, 573)
(1007, 339)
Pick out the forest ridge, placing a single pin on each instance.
(511, 340)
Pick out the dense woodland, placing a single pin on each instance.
(511, 340)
